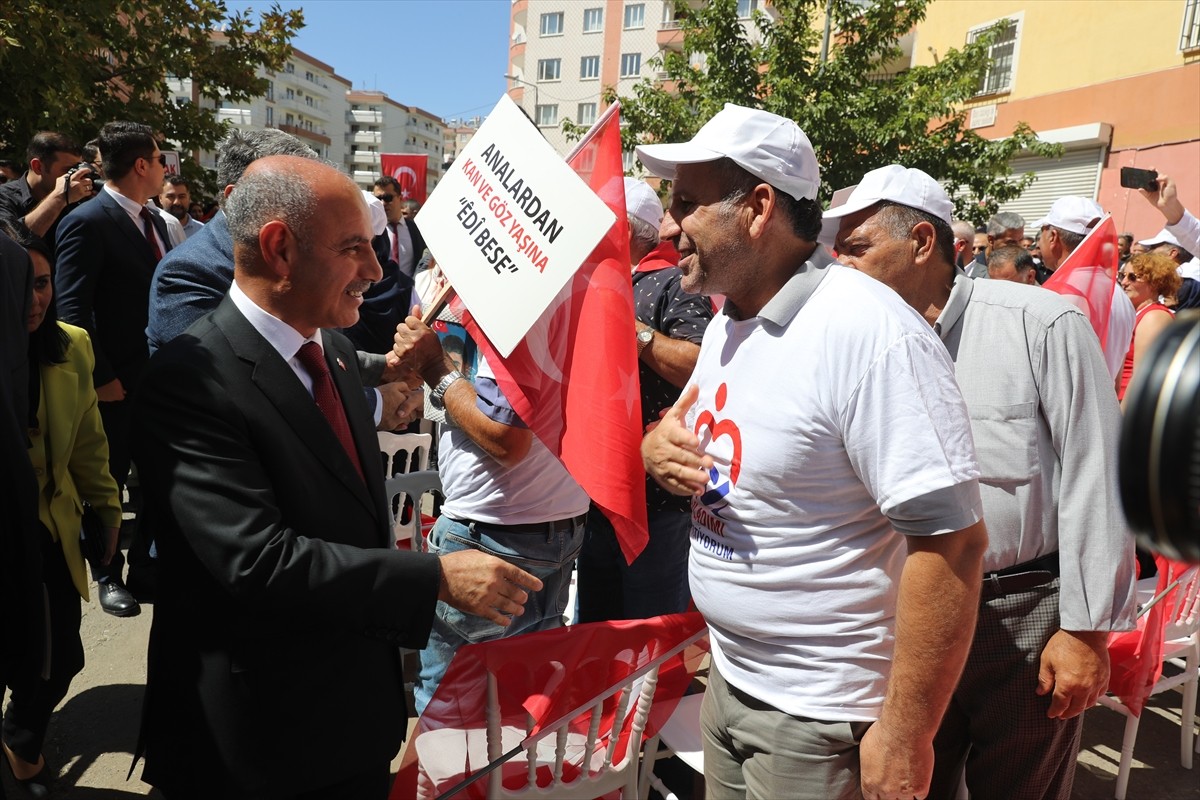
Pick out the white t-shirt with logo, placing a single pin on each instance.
(831, 430)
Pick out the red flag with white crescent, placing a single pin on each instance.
(573, 379)
(409, 171)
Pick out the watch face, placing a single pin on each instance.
(645, 335)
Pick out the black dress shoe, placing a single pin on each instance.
(115, 599)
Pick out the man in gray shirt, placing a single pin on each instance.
(1059, 569)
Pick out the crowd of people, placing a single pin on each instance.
(880, 457)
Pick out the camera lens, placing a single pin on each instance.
(1160, 443)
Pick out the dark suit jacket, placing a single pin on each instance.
(273, 661)
(190, 281)
(103, 284)
(387, 302)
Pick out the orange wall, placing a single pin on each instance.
(1130, 210)
(1146, 109)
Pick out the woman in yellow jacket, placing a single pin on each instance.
(70, 457)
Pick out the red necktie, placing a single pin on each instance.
(395, 226)
(148, 229)
(326, 395)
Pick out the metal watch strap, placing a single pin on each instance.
(437, 396)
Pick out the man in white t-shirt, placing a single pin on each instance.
(836, 533)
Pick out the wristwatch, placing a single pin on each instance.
(437, 398)
(644, 337)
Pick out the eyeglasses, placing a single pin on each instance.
(162, 159)
(1123, 275)
(979, 248)
(387, 198)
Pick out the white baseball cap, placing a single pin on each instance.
(378, 213)
(897, 184)
(1162, 237)
(1072, 213)
(766, 145)
(642, 202)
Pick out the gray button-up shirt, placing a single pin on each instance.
(1046, 425)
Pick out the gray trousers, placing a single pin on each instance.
(753, 750)
(995, 722)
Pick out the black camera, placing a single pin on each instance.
(1160, 443)
(97, 181)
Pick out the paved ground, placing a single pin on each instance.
(94, 731)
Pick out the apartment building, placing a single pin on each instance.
(563, 53)
(1116, 83)
(307, 98)
(378, 124)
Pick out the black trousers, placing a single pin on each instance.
(34, 700)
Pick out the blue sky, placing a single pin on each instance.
(445, 56)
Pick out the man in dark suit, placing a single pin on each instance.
(403, 241)
(106, 253)
(265, 490)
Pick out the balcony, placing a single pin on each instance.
(363, 157)
(236, 116)
(367, 117)
(305, 133)
(364, 177)
(366, 137)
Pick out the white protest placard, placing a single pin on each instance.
(510, 223)
(172, 165)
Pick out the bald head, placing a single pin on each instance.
(301, 242)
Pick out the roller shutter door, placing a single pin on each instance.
(1077, 173)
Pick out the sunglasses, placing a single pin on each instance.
(979, 248)
(1123, 275)
(162, 159)
(387, 198)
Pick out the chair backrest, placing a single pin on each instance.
(591, 749)
(1185, 616)
(410, 486)
(392, 444)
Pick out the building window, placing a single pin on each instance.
(1002, 57)
(270, 116)
(270, 90)
(589, 68)
(290, 120)
(309, 100)
(635, 16)
(552, 24)
(746, 8)
(631, 65)
(549, 69)
(291, 94)
(628, 160)
(290, 68)
(587, 114)
(547, 115)
(1189, 36)
(593, 20)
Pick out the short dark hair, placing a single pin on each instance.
(45, 145)
(736, 182)
(1012, 254)
(387, 182)
(122, 143)
(178, 180)
(239, 149)
(899, 220)
(1070, 239)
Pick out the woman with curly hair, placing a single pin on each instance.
(1147, 278)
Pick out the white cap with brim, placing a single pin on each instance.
(768, 146)
(378, 212)
(1162, 237)
(642, 202)
(1072, 213)
(893, 183)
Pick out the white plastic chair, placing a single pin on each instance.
(411, 486)
(681, 736)
(1181, 648)
(392, 444)
(580, 765)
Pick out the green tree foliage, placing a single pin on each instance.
(858, 113)
(72, 65)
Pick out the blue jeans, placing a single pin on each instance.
(550, 557)
(655, 583)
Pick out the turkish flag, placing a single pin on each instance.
(1088, 276)
(409, 172)
(573, 379)
(1136, 657)
(539, 680)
